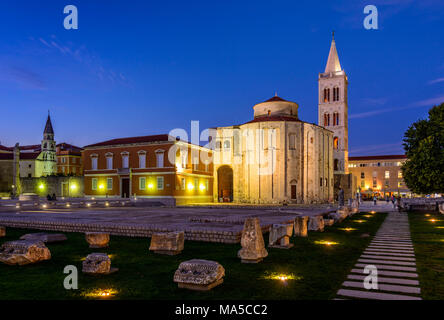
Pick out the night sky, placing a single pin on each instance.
(146, 67)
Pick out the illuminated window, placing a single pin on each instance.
(183, 183)
(387, 174)
(336, 143)
(109, 183)
(327, 95)
(400, 174)
(94, 183)
(142, 183)
(160, 182)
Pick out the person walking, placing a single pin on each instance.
(374, 200)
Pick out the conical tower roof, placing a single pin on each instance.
(333, 64)
(48, 126)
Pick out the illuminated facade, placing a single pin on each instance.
(273, 158)
(157, 167)
(380, 175)
(69, 160)
(333, 108)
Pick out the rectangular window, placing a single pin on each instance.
(74, 170)
(159, 158)
(74, 160)
(94, 183)
(374, 182)
(63, 169)
(125, 161)
(207, 167)
(320, 182)
(387, 174)
(160, 183)
(183, 183)
(109, 184)
(94, 163)
(400, 174)
(109, 163)
(387, 183)
(362, 183)
(195, 164)
(142, 161)
(142, 183)
(375, 174)
(362, 175)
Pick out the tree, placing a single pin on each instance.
(423, 171)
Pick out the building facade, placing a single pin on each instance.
(69, 160)
(379, 175)
(157, 167)
(273, 158)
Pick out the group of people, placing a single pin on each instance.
(51, 198)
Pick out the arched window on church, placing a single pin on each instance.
(335, 143)
(327, 95)
(269, 112)
(227, 144)
(336, 165)
(326, 119)
(335, 94)
(336, 119)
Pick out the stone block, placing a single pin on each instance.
(301, 226)
(98, 264)
(170, 243)
(97, 239)
(441, 208)
(201, 275)
(253, 246)
(316, 223)
(280, 236)
(22, 252)
(329, 222)
(44, 237)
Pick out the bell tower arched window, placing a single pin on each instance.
(327, 95)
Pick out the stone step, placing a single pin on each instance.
(374, 295)
(384, 287)
(369, 256)
(389, 249)
(396, 262)
(389, 273)
(386, 280)
(383, 252)
(387, 267)
(391, 244)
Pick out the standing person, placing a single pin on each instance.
(341, 197)
(374, 200)
(398, 203)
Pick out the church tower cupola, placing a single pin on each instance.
(333, 107)
(47, 157)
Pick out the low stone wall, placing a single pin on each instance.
(122, 230)
(421, 204)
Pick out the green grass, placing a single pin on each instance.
(319, 269)
(428, 241)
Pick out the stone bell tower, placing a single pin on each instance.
(333, 107)
(47, 156)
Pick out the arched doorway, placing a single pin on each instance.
(225, 184)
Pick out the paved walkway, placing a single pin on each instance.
(391, 252)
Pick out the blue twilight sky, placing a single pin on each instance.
(147, 67)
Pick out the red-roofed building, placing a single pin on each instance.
(156, 167)
(379, 175)
(69, 159)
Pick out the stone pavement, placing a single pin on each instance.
(213, 224)
(392, 253)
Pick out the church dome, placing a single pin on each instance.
(276, 106)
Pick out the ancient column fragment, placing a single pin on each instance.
(170, 243)
(97, 239)
(280, 235)
(22, 252)
(301, 226)
(253, 247)
(201, 275)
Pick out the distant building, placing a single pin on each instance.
(69, 159)
(157, 167)
(379, 175)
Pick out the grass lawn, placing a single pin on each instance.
(428, 241)
(319, 269)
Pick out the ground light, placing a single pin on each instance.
(41, 187)
(281, 277)
(434, 220)
(367, 216)
(101, 293)
(347, 229)
(427, 215)
(372, 212)
(73, 187)
(439, 227)
(326, 243)
(359, 221)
